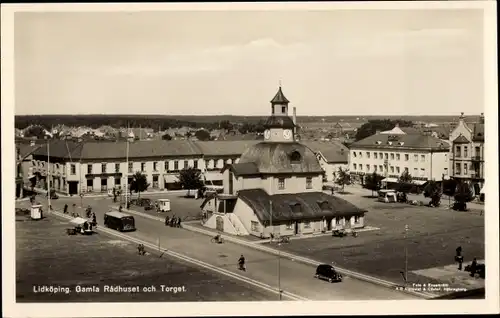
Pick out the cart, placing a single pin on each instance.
(36, 212)
(82, 226)
(163, 205)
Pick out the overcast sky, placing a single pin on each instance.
(353, 62)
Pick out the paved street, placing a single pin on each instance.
(46, 256)
(295, 277)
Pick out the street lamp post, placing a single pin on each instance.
(406, 253)
(279, 273)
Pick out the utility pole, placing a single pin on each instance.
(271, 219)
(48, 175)
(279, 273)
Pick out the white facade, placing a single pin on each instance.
(390, 162)
(330, 167)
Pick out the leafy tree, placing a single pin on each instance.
(371, 127)
(463, 194)
(139, 183)
(405, 182)
(433, 191)
(225, 124)
(202, 135)
(450, 187)
(35, 131)
(190, 179)
(373, 182)
(343, 177)
(166, 137)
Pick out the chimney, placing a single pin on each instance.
(481, 118)
(295, 120)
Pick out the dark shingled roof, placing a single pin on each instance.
(243, 169)
(275, 157)
(313, 205)
(60, 149)
(478, 132)
(224, 148)
(461, 140)
(279, 122)
(410, 141)
(280, 98)
(140, 149)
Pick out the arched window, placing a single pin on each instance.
(295, 157)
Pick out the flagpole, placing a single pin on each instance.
(48, 175)
(126, 170)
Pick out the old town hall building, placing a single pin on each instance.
(276, 187)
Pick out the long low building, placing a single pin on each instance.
(88, 167)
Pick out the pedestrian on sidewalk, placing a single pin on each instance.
(166, 220)
(178, 222)
(65, 210)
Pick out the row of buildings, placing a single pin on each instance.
(424, 156)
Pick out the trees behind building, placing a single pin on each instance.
(372, 126)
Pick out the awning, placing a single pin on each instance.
(420, 182)
(390, 180)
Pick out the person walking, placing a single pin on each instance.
(65, 209)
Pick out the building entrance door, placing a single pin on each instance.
(72, 187)
(347, 222)
(296, 228)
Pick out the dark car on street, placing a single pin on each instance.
(328, 273)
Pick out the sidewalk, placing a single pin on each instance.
(451, 276)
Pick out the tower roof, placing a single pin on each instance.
(279, 98)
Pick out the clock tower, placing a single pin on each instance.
(279, 126)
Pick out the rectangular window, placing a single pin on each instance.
(73, 169)
(90, 185)
(254, 226)
(397, 170)
(309, 183)
(176, 165)
(117, 167)
(422, 172)
(354, 166)
(381, 155)
(356, 219)
(375, 155)
(407, 157)
(375, 168)
(195, 164)
(458, 151)
(289, 226)
(415, 158)
(361, 167)
(367, 167)
(465, 168)
(422, 158)
(155, 166)
(386, 155)
(368, 154)
(392, 156)
(466, 152)
(186, 164)
(445, 171)
(392, 169)
(415, 172)
(398, 156)
(104, 184)
(281, 183)
(457, 168)
(89, 168)
(307, 225)
(117, 182)
(478, 152)
(103, 168)
(381, 168)
(155, 182)
(360, 154)
(130, 167)
(406, 169)
(166, 166)
(143, 166)
(354, 154)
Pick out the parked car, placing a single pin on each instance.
(328, 272)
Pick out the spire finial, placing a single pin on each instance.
(280, 83)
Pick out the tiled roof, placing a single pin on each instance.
(478, 132)
(139, 149)
(410, 130)
(410, 141)
(279, 122)
(224, 148)
(276, 157)
(60, 149)
(332, 151)
(280, 98)
(461, 139)
(243, 169)
(313, 205)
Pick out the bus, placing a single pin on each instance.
(119, 221)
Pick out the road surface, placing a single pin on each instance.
(293, 277)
